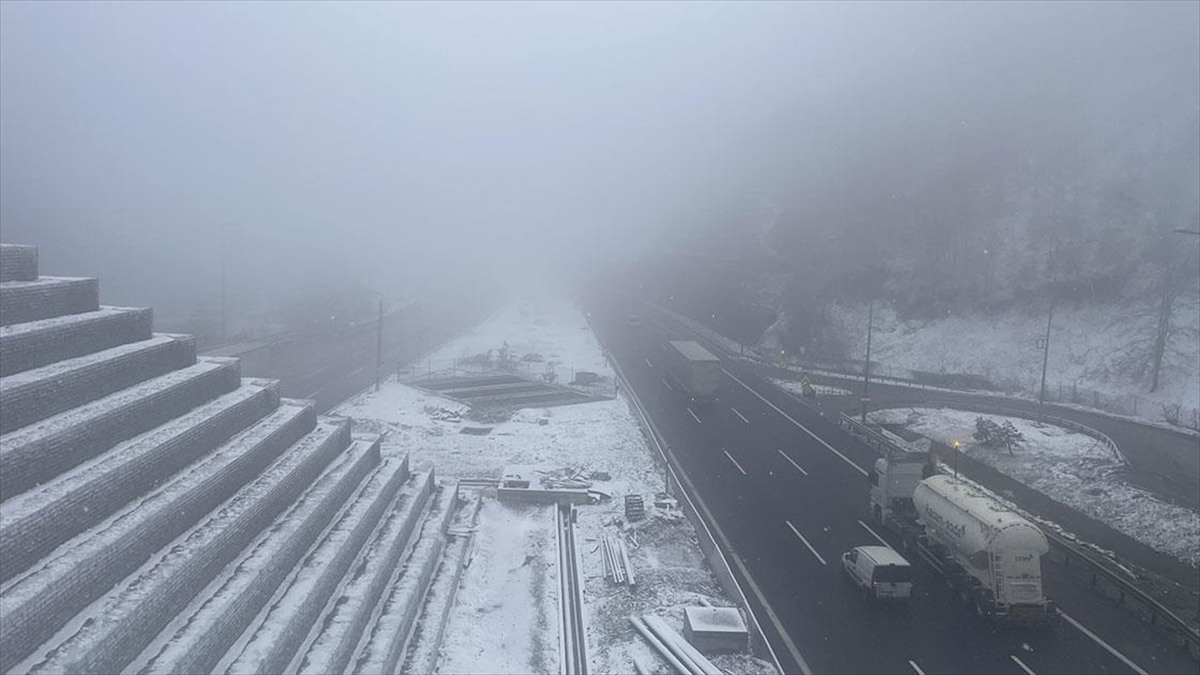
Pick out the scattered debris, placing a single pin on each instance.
(443, 414)
(635, 508)
(615, 558)
(476, 431)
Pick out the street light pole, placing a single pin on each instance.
(1046, 353)
(224, 314)
(379, 344)
(866, 395)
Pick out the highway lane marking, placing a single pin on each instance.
(810, 548)
(713, 528)
(793, 421)
(648, 363)
(735, 462)
(667, 384)
(793, 463)
(743, 417)
(873, 534)
(1021, 663)
(693, 416)
(916, 668)
(1111, 650)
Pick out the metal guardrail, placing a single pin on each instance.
(704, 535)
(1157, 614)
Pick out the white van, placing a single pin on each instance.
(879, 572)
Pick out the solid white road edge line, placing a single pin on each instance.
(793, 421)
(1111, 650)
(810, 548)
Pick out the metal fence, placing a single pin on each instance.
(583, 381)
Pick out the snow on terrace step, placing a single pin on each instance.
(201, 635)
(18, 262)
(298, 605)
(343, 626)
(117, 627)
(386, 644)
(46, 598)
(46, 298)
(24, 346)
(41, 451)
(422, 655)
(33, 523)
(34, 395)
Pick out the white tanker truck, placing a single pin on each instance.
(989, 555)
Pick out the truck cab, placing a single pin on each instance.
(879, 573)
(893, 481)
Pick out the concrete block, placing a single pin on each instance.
(719, 629)
(25, 346)
(18, 262)
(35, 395)
(46, 298)
(37, 605)
(34, 523)
(39, 452)
(129, 617)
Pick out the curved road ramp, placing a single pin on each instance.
(160, 513)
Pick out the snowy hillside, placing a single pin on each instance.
(1091, 349)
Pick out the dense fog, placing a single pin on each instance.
(396, 147)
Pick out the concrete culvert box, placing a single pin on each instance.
(718, 629)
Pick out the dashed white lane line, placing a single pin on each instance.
(1111, 650)
(735, 462)
(793, 421)
(805, 541)
(1021, 663)
(648, 363)
(667, 384)
(873, 534)
(916, 668)
(793, 463)
(740, 415)
(693, 415)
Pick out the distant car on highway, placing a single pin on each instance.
(634, 321)
(879, 573)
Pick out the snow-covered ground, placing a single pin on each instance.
(505, 617)
(795, 387)
(1088, 347)
(1069, 467)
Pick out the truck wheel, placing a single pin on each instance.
(965, 595)
(983, 607)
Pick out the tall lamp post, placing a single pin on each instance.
(379, 344)
(866, 395)
(1046, 354)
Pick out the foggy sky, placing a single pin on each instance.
(396, 141)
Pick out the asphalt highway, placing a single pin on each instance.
(788, 490)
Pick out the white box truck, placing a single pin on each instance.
(695, 369)
(989, 555)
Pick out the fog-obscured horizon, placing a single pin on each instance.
(395, 145)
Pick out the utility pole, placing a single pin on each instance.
(866, 395)
(1046, 353)
(224, 313)
(379, 344)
